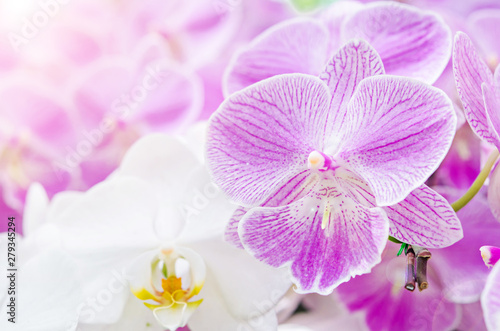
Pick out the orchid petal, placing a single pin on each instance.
(121, 209)
(168, 98)
(102, 90)
(490, 299)
(159, 159)
(484, 27)
(392, 138)
(215, 312)
(470, 72)
(61, 201)
(262, 136)
(111, 206)
(491, 97)
(353, 62)
(490, 255)
(293, 46)
(165, 163)
(411, 42)
(136, 316)
(51, 295)
(334, 15)
(296, 188)
(231, 271)
(322, 256)
(424, 219)
(37, 203)
(29, 107)
(231, 234)
(205, 209)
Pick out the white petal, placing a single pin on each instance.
(48, 294)
(35, 208)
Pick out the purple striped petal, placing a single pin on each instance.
(353, 62)
(261, 137)
(494, 193)
(294, 189)
(425, 219)
(490, 299)
(491, 95)
(323, 250)
(231, 232)
(399, 132)
(411, 42)
(293, 46)
(470, 72)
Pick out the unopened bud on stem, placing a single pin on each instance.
(410, 270)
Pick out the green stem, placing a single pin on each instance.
(394, 240)
(478, 183)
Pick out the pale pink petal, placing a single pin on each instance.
(491, 95)
(167, 98)
(484, 28)
(294, 46)
(470, 72)
(30, 107)
(411, 42)
(105, 88)
(398, 132)
(490, 299)
(334, 16)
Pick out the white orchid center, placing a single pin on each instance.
(174, 281)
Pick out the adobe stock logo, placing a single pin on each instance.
(31, 26)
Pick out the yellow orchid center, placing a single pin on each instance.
(171, 303)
